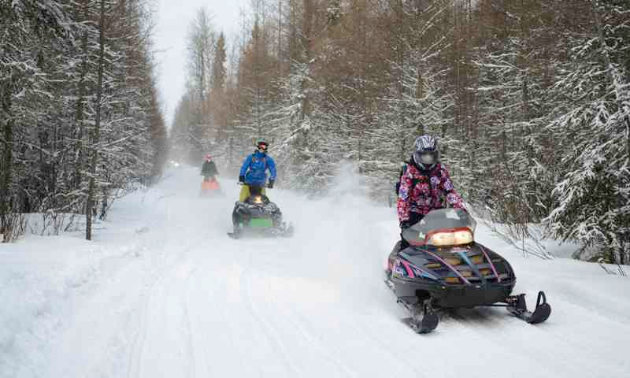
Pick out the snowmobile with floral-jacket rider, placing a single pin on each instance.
(425, 185)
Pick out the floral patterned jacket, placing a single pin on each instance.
(423, 191)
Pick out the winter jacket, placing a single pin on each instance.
(423, 191)
(209, 169)
(402, 172)
(255, 167)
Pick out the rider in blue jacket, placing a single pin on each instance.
(254, 170)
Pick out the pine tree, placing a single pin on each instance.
(595, 118)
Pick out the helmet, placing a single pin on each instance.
(208, 157)
(262, 144)
(426, 153)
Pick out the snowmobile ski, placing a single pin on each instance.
(518, 307)
(423, 318)
(237, 233)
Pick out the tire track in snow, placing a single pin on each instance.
(366, 330)
(269, 331)
(191, 344)
(197, 325)
(134, 368)
(293, 325)
(297, 322)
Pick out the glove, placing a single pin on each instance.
(404, 225)
(241, 179)
(270, 184)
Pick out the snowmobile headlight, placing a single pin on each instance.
(464, 237)
(459, 237)
(258, 200)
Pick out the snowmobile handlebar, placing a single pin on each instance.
(262, 186)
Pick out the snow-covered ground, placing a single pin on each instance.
(163, 292)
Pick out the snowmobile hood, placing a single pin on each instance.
(470, 265)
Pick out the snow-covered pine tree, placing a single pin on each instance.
(594, 118)
(130, 143)
(416, 102)
(510, 140)
(30, 32)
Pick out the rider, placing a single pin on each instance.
(254, 170)
(209, 169)
(423, 185)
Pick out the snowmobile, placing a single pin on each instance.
(258, 216)
(210, 187)
(445, 268)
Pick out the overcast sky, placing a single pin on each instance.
(173, 17)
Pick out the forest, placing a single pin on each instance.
(80, 122)
(530, 100)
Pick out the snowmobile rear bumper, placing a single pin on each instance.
(281, 231)
(470, 296)
(454, 296)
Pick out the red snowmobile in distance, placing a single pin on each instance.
(210, 187)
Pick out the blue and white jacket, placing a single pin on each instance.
(255, 167)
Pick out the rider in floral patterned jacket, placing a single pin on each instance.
(424, 185)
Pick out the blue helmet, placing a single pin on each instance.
(426, 153)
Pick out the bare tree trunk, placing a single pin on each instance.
(5, 178)
(80, 115)
(307, 38)
(97, 124)
(279, 55)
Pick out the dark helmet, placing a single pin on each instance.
(426, 153)
(262, 145)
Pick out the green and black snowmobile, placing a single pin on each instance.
(258, 216)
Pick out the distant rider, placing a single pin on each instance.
(254, 170)
(424, 184)
(209, 169)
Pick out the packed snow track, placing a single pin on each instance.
(164, 292)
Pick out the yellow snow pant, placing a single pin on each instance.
(245, 193)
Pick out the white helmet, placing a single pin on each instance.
(426, 153)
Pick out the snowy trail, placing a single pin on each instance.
(170, 295)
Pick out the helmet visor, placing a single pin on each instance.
(425, 157)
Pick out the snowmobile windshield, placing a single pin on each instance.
(452, 226)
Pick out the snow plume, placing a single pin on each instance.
(348, 184)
